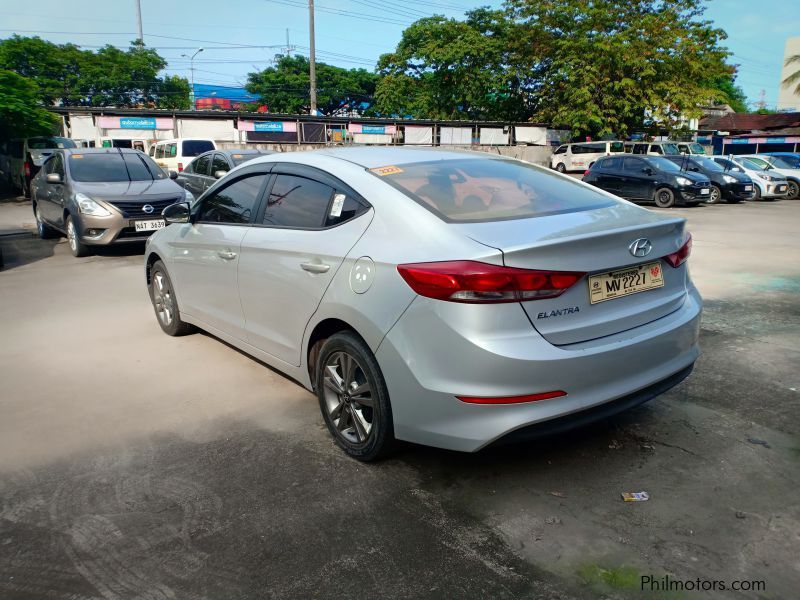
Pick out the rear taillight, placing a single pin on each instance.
(476, 282)
(586, 172)
(27, 168)
(512, 399)
(676, 259)
(180, 167)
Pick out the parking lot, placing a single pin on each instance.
(133, 464)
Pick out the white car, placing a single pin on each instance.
(177, 153)
(579, 157)
(769, 184)
(783, 166)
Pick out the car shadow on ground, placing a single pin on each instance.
(19, 248)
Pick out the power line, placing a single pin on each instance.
(345, 13)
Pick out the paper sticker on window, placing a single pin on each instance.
(236, 155)
(383, 171)
(338, 203)
(76, 156)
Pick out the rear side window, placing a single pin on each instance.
(616, 147)
(235, 203)
(297, 202)
(160, 151)
(633, 165)
(613, 164)
(195, 147)
(486, 189)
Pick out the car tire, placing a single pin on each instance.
(715, 195)
(43, 229)
(794, 190)
(561, 168)
(360, 423)
(664, 198)
(76, 246)
(165, 305)
(756, 192)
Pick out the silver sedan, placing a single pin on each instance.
(443, 298)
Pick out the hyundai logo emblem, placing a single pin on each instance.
(149, 209)
(640, 247)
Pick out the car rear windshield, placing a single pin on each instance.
(480, 190)
(242, 158)
(196, 147)
(43, 143)
(113, 166)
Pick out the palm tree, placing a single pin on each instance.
(794, 78)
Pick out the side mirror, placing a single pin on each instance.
(53, 178)
(176, 213)
(647, 171)
(220, 174)
(694, 169)
(173, 174)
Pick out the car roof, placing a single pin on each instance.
(380, 156)
(100, 150)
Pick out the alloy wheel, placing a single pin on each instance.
(348, 398)
(714, 196)
(39, 222)
(163, 299)
(72, 236)
(794, 190)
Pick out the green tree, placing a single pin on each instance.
(450, 69)
(794, 78)
(730, 93)
(609, 65)
(21, 113)
(174, 93)
(285, 87)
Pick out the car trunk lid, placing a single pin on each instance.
(591, 242)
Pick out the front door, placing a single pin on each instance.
(206, 253)
(635, 181)
(307, 225)
(51, 195)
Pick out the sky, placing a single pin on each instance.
(240, 36)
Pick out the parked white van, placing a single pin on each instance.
(176, 153)
(653, 148)
(579, 157)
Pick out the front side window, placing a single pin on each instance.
(201, 165)
(235, 203)
(219, 164)
(560, 150)
(297, 202)
(490, 189)
(55, 165)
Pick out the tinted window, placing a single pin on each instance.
(201, 165)
(707, 164)
(611, 163)
(640, 148)
(195, 147)
(111, 166)
(560, 150)
(235, 203)
(297, 202)
(487, 189)
(55, 165)
(633, 164)
(669, 149)
(656, 149)
(242, 158)
(343, 208)
(41, 143)
(220, 163)
(785, 162)
(172, 151)
(160, 151)
(664, 164)
(616, 147)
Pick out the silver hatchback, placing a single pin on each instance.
(443, 298)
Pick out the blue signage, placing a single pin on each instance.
(373, 129)
(137, 123)
(267, 126)
(776, 140)
(740, 141)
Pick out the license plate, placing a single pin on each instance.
(748, 188)
(705, 191)
(150, 225)
(615, 284)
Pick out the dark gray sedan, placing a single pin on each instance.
(203, 171)
(101, 196)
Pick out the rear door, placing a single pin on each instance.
(609, 176)
(308, 223)
(51, 195)
(636, 183)
(206, 252)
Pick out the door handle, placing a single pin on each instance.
(315, 267)
(226, 254)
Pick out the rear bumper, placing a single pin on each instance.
(428, 360)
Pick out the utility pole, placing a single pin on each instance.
(312, 59)
(139, 19)
(288, 46)
(191, 68)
